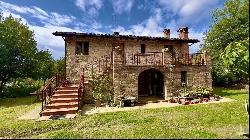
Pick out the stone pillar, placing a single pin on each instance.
(117, 57)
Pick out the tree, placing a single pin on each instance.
(59, 66)
(236, 58)
(44, 65)
(226, 40)
(17, 50)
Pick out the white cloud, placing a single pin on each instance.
(90, 6)
(151, 27)
(189, 12)
(6, 14)
(154, 25)
(43, 34)
(52, 18)
(46, 40)
(122, 6)
(24, 9)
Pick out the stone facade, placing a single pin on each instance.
(104, 54)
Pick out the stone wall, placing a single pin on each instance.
(75, 63)
(131, 78)
(101, 47)
(197, 76)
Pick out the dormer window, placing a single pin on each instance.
(82, 48)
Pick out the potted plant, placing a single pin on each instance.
(171, 100)
(201, 99)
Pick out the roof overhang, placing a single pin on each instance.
(75, 34)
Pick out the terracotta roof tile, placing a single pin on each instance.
(68, 34)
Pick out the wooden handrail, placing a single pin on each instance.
(49, 88)
(80, 89)
(189, 59)
(148, 58)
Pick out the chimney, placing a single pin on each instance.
(116, 33)
(183, 32)
(166, 33)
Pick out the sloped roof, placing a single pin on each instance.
(71, 34)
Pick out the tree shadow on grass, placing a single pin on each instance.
(12, 102)
(226, 92)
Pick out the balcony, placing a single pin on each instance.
(144, 59)
(189, 59)
(157, 59)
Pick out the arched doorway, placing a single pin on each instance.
(150, 83)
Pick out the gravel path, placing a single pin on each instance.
(31, 115)
(89, 109)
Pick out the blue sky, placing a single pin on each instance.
(136, 17)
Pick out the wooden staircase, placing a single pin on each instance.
(64, 103)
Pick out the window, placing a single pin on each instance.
(170, 47)
(183, 78)
(82, 48)
(143, 48)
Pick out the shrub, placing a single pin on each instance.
(102, 87)
(21, 87)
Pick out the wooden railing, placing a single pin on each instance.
(149, 58)
(81, 89)
(189, 59)
(49, 89)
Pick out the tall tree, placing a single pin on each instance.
(17, 50)
(226, 40)
(59, 66)
(44, 69)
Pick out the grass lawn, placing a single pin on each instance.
(219, 120)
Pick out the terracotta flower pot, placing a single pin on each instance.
(205, 99)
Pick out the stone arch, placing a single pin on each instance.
(151, 83)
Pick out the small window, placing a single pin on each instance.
(183, 78)
(170, 47)
(86, 48)
(82, 48)
(143, 48)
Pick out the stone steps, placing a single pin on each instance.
(60, 111)
(61, 105)
(65, 91)
(64, 100)
(68, 88)
(63, 95)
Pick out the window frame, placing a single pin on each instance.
(170, 47)
(143, 48)
(82, 48)
(183, 78)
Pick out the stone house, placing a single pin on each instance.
(148, 66)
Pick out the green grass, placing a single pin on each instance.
(219, 120)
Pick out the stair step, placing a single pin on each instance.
(61, 105)
(68, 88)
(63, 100)
(69, 95)
(60, 111)
(65, 91)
